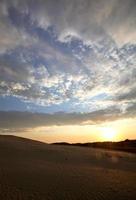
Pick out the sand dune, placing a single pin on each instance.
(126, 145)
(34, 170)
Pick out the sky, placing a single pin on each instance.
(68, 69)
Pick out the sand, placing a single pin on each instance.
(35, 171)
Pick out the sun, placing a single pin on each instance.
(108, 134)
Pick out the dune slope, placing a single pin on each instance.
(34, 170)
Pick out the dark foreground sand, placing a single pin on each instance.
(33, 170)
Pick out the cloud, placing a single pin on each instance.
(127, 96)
(20, 79)
(88, 20)
(30, 120)
(82, 52)
(25, 120)
(98, 72)
(10, 36)
(26, 123)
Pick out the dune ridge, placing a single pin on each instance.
(126, 145)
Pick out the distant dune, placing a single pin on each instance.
(126, 145)
(31, 170)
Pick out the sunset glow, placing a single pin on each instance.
(108, 134)
(119, 130)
